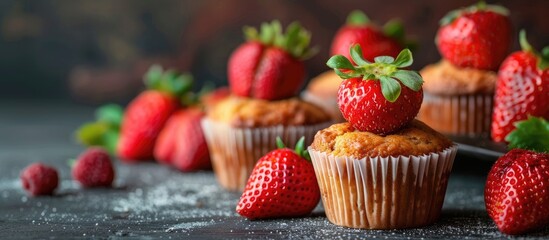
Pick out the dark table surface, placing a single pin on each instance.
(153, 201)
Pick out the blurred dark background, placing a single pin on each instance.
(96, 51)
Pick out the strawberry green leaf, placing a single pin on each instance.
(531, 134)
(300, 145)
(384, 59)
(390, 88)
(410, 79)
(394, 29)
(340, 62)
(357, 18)
(357, 56)
(384, 69)
(110, 140)
(91, 134)
(111, 114)
(295, 40)
(266, 34)
(279, 143)
(404, 59)
(543, 58)
(169, 81)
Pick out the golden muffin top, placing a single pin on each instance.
(443, 78)
(416, 139)
(247, 112)
(325, 85)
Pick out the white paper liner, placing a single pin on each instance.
(234, 151)
(329, 105)
(461, 115)
(383, 193)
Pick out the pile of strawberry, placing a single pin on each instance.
(161, 123)
(469, 38)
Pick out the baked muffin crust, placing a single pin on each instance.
(325, 85)
(443, 78)
(415, 139)
(247, 112)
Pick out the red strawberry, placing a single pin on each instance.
(181, 142)
(282, 184)
(373, 40)
(93, 168)
(522, 89)
(39, 179)
(478, 36)
(269, 65)
(147, 113)
(378, 97)
(517, 191)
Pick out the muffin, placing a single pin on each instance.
(457, 101)
(382, 182)
(241, 130)
(322, 91)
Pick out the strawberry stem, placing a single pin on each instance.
(357, 18)
(385, 69)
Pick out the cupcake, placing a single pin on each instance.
(373, 39)
(382, 169)
(459, 89)
(382, 182)
(239, 131)
(457, 101)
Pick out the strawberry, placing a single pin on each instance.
(282, 184)
(147, 113)
(93, 168)
(478, 36)
(270, 64)
(373, 40)
(517, 191)
(377, 97)
(181, 142)
(522, 89)
(39, 179)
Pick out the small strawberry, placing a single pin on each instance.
(39, 179)
(270, 64)
(146, 114)
(373, 40)
(517, 191)
(282, 184)
(93, 168)
(377, 97)
(478, 36)
(522, 89)
(181, 142)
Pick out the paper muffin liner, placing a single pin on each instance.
(383, 192)
(234, 151)
(328, 104)
(459, 115)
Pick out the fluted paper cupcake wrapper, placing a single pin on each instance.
(461, 115)
(383, 192)
(234, 151)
